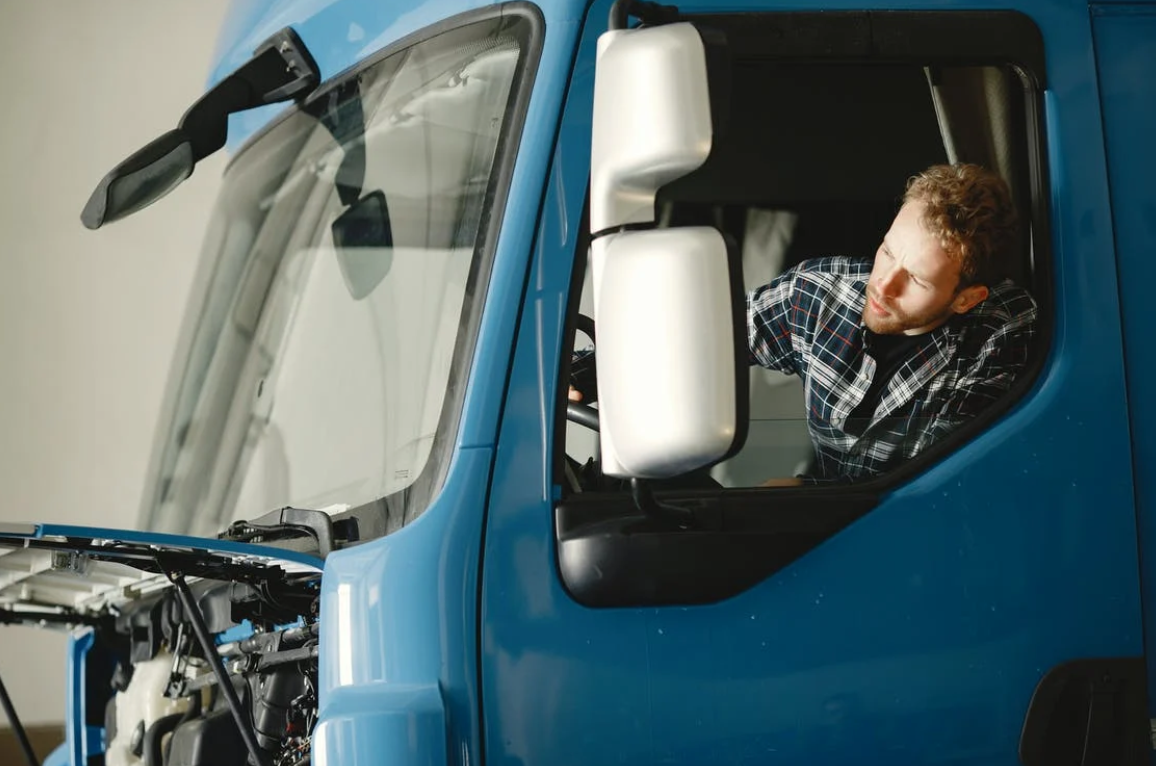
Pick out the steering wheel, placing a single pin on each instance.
(579, 412)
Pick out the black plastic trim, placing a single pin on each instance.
(570, 327)
(280, 69)
(640, 226)
(741, 349)
(64, 616)
(153, 751)
(205, 639)
(1089, 712)
(612, 555)
(188, 561)
(583, 415)
(927, 37)
(648, 13)
(316, 524)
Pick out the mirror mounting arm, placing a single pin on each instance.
(651, 14)
(645, 502)
(281, 69)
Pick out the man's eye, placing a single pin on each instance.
(917, 281)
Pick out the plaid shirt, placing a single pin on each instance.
(809, 322)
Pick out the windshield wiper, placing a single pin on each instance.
(289, 522)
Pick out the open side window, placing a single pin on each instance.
(817, 168)
(829, 114)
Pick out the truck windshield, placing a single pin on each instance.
(329, 339)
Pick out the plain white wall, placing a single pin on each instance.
(87, 319)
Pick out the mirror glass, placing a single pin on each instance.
(363, 238)
(140, 180)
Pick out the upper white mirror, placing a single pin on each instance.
(652, 119)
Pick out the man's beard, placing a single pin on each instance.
(896, 322)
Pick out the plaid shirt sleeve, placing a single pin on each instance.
(770, 331)
(1000, 359)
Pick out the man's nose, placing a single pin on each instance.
(891, 282)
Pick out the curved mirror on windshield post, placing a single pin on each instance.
(330, 346)
(281, 68)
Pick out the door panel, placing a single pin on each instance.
(1126, 56)
(917, 633)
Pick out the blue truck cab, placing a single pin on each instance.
(378, 531)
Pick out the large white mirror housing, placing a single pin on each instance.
(671, 340)
(652, 119)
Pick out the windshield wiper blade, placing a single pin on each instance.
(286, 521)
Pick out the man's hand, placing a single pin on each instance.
(788, 481)
(575, 395)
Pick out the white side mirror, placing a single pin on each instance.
(671, 340)
(668, 379)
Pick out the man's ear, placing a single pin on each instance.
(968, 298)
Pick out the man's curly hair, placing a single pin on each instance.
(969, 209)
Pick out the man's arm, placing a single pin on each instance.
(770, 331)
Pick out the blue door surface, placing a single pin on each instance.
(1126, 57)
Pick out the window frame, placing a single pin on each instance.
(802, 517)
(374, 519)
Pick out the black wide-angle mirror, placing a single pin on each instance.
(143, 178)
(281, 69)
(363, 238)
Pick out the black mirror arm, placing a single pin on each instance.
(645, 501)
(298, 63)
(206, 124)
(281, 69)
(650, 13)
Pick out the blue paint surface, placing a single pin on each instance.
(1126, 53)
(398, 635)
(79, 739)
(59, 756)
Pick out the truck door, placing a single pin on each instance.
(980, 604)
(1126, 58)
